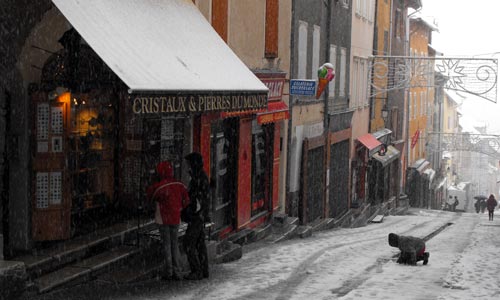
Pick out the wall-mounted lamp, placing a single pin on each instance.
(385, 112)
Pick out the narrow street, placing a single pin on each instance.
(344, 264)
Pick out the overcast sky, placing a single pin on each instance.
(468, 28)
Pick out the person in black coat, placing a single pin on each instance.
(412, 249)
(195, 215)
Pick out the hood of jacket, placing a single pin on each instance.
(393, 240)
(195, 161)
(165, 170)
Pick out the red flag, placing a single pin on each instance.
(414, 139)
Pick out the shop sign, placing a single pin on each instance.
(188, 104)
(275, 87)
(272, 117)
(302, 87)
(275, 81)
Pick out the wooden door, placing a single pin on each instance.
(50, 188)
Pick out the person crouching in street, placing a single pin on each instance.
(171, 196)
(412, 249)
(195, 215)
(491, 203)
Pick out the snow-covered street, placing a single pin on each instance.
(345, 264)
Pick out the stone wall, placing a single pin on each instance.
(12, 279)
(18, 19)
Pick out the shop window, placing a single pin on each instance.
(91, 154)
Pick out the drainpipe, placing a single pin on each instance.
(327, 58)
(291, 100)
(374, 52)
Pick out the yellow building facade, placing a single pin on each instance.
(421, 92)
(381, 48)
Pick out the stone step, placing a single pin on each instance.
(230, 252)
(319, 224)
(304, 231)
(242, 237)
(277, 237)
(85, 269)
(147, 265)
(262, 232)
(48, 260)
(279, 218)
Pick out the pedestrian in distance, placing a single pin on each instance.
(477, 205)
(483, 205)
(455, 204)
(412, 249)
(491, 204)
(195, 215)
(171, 196)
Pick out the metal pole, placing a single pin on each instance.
(288, 199)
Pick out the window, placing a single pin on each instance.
(386, 42)
(342, 81)
(415, 105)
(370, 10)
(333, 61)
(365, 9)
(302, 59)
(397, 21)
(272, 10)
(315, 51)
(360, 82)
(220, 17)
(355, 84)
(422, 104)
(410, 110)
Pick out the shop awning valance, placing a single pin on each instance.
(276, 111)
(390, 155)
(166, 53)
(371, 143)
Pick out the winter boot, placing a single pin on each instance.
(426, 258)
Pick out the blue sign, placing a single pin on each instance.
(302, 87)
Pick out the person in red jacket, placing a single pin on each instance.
(171, 196)
(491, 203)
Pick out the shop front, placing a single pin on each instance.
(418, 183)
(99, 135)
(366, 147)
(378, 165)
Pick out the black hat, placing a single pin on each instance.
(393, 239)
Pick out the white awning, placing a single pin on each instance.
(160, 46)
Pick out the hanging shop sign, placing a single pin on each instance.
(189, 104)
(274, 81)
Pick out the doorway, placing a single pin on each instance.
(224, 170)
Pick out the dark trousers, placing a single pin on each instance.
(196, 250)
(490, 214)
